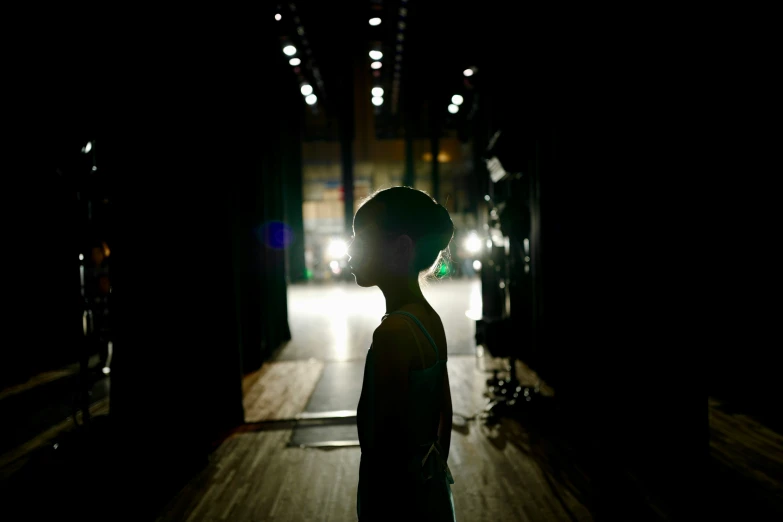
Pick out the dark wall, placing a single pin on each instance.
(595, 126)
(191, 127)
(200, 281)
(42, 238)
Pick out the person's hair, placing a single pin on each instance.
(406, 210)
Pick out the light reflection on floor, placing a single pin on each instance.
(334, 322)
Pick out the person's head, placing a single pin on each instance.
(399, 233)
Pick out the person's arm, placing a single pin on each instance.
(446, 413)
(392, 367)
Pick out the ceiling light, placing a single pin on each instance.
(375, 21)
(376, 55)
(453, 109)
(311, 99)
(376, 65)
(457, 99)
(294, 61)
(377, 91)
(306, 89)
(290, 50)
(377, 101)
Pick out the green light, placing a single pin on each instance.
(308, 273)
(444, 270)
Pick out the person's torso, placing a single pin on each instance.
(428, 355)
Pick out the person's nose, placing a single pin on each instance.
(349, 250)
(355, 251)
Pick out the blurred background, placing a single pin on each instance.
(185, 342)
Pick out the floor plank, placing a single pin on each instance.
(280, 389)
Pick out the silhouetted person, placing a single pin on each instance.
(404, 413)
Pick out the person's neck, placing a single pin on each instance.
(401, 294)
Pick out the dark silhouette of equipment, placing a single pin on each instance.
(507, 327)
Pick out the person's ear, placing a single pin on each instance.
(403, 250)
(403, 245)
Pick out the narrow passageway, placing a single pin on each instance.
(276, 467)
(320, 369)
(215, 214)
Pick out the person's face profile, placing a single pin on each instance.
(366, 254)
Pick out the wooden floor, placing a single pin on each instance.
(750, 451)
(512, 470)
(254, 476)
(280, 389)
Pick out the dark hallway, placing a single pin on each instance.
(189, 339)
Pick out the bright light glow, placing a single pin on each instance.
(376, 55)
(278, 16)
(335, 266)
(486, 198)
(453, 109)
(106, 370)
(87, 148)
(294, 61)
(81, 257)
(476, 303)
(337, 248)
(457, 99)
(377, 101)
(306, 89)
(476, 265)
(489, 243)
(311, 99)
(473, 244)
(377, 91)
(289, 50)
(468, 72)
(375, 21)
(376, 65)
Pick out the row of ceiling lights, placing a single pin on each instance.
(457, 99)
(377, 92)
(376, 55)
(289, 50)
(306, 88)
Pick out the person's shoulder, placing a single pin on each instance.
(391, 343)
(391, 327)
